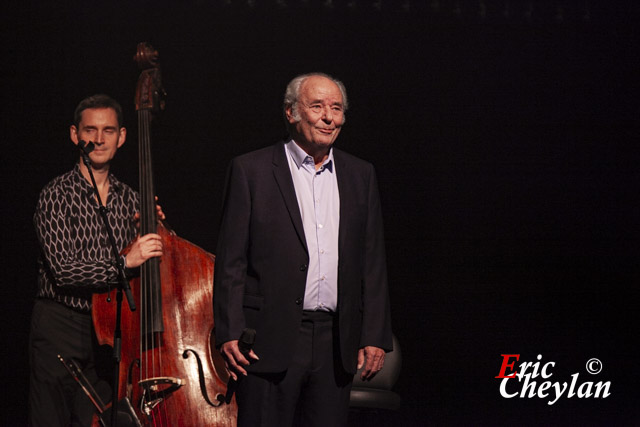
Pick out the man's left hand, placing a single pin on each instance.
(159, 214)
(372, 358)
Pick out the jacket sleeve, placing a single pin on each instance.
(376, 321)
(231, 256)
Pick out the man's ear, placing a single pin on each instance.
(123, 136)
(73, 134)
(289, 114)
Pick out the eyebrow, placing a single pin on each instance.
(92, 127)
(320, 101)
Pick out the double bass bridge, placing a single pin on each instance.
(156, 390)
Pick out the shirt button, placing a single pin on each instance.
(320, 225)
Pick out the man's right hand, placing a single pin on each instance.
(235, 360)
(145, 247)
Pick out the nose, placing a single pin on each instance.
(99, 137)
(327, 114)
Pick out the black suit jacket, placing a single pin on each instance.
(262, 259)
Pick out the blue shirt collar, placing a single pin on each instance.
(301, 157)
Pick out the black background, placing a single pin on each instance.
(504, 133)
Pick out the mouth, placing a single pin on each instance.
(325, 131)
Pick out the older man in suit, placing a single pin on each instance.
(301, 260)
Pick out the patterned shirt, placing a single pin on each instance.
(76, 256)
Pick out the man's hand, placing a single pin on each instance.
(234, 359)
(147, 246)
(372, 358)
(159, 214)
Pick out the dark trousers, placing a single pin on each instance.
(314, 391)
(55, 399)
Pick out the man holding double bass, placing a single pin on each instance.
(77, 261)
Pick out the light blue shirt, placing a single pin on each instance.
(319, 203)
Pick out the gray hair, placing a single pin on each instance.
(292, 93)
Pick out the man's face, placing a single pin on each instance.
(100, 126)
(321, 113)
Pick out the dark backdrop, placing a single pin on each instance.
(505, 139)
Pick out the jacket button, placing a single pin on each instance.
(303, 267)
(299, 301)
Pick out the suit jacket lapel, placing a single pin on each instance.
(282, 174)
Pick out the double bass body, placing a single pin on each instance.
(177, 380)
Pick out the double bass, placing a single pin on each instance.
(170, 371)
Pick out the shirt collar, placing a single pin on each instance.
(300, 157)
(114, 183)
